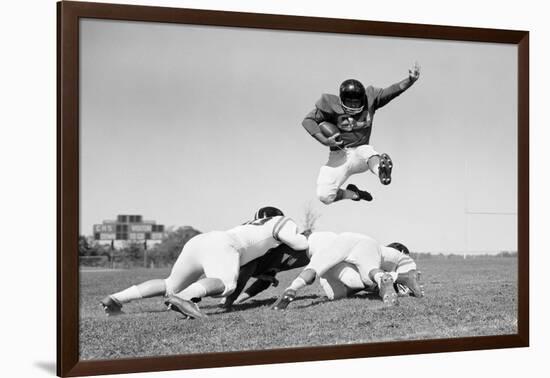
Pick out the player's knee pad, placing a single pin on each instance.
(366, 152)
(308, 276)
(326, 195)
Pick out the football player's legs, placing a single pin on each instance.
(333, 288)
(224, 267)
(245, 273)
(321, 262)
(186, 270)
(341, 281)
(221, 268)
(331, 177)
(349, 275)
(328, 184)
(364, 158)
(366, 256)
(147, 289)
(182, 271)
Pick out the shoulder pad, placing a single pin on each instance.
(370, 89)
(371, 93)
(279, 225)
(329, 103)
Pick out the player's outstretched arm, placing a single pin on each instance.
(256, 288)
(289, 235)
(383, 96)
(414, 75)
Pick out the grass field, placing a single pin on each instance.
(471, 297)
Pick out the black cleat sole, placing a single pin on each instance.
(384, 169)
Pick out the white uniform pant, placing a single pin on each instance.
(344, 278)
(359, 250)
(338, 281)
(340, 166)
(212, 254)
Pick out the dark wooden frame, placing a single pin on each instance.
(68, 15)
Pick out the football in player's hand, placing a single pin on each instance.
(328, 129)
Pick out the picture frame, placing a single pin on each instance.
(68, 184)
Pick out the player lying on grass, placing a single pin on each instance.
(340, 281)
(216, 255)
(344, 123)
(355, 261)
(344, 279)
(265, 269)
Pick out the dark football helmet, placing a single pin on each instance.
(400, 247)
(267, 212)
(352, 96)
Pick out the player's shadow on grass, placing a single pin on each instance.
(323, 299)
(271, 301)
(366, 295)
(161, 309)
(255, 303)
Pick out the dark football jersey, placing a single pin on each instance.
(278, 259)
(355, 129)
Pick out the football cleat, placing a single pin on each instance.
(384, 169)
(111, 306)
(402, 290)
(363, 195)
(411, 280)
(387, 291)
(188, 309)
(284, 300)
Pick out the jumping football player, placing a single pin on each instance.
(376, 266)
(218, 255)
(348, 117)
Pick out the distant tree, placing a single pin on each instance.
(89, 248)
(310, 218)
(83, 246)
(134, 252)
(507, 254)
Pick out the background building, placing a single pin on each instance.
(128, 229)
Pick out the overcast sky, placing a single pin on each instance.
(200, 126)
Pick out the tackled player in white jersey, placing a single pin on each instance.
(215, 256)
(344, 279)
(350, 262)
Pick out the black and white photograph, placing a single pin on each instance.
(252, 189)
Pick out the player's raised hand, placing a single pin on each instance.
(414, 72)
